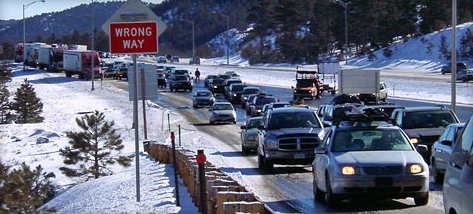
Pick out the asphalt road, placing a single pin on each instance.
(289, 188)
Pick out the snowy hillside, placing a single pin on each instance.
(414, 54)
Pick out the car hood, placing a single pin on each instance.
(222, 111)
(424, 132)
(291, 131)
(377, 157)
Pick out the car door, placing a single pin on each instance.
(321, 161)
(442, 151)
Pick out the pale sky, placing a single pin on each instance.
(13, 9)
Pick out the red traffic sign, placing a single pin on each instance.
(200, 158)
(133, 37)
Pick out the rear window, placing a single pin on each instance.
(293, 120)
(265, 100)
(427, 119)
(250, 91)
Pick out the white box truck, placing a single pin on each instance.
(80, 62)
(365, 84)
(50, 58)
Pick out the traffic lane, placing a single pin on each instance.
(287, 185)
(289, 188)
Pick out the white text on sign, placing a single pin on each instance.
(133, 37)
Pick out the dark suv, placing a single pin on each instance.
(423, 125)
(234, 92)
(288, 136)
(256, 108)
(177, 82)
(448, 67)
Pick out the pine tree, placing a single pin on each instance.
(5, 74)
(444, 52)
(94, 148)
(26, 106)
(4, 104)
(23, 190)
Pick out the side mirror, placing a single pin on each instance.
(326, 123)
(260, 127)
(243, 127)
(421, 148)
(320, 150)
(292, 87)
(446, 142)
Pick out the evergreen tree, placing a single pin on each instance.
(466, 45)
(5, 74)
(23, 190)
(4, 104)
(444, 52)
(94, 148)
(26, 106)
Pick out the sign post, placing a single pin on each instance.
(134, 29)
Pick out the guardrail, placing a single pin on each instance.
(224, 195)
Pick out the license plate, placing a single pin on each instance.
(299, 156)
(383, 181)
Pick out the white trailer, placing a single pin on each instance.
(80, 62)
(363, 83)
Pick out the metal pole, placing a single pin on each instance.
(346, 32)
(179, 134)
(135, 122)
(24, 38)
(454, 55)
(143, 99)
(174, 161)
(193, 40)
(93, 57)
(228, 39)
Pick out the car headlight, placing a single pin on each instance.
(295, 91)
(415, 169)
(348, 170)
(234, 95)
(414, 140)
(215, 86)
(271, 144)
(245, 98)
(258, 110)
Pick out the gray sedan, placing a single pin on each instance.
(249, 134)
(369, 160)
(442, 149)
(202, 98)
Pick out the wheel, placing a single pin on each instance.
(438, 176)
(170, 89)
(68, 74)
(319, 195)
(422, 200)
(330, 199)
(260, 162)
(212, 122)
(244, 150)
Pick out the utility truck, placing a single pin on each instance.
(80, 62)
(364, 84)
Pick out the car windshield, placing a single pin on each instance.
(370, 140)
(250, 91)
(181, 72)
(218, 81)
(223, 107)
(238, 87)
(293, 120)
(304, 84)
(184, 78)
(265, 100)
(202, 93)
(254, 123)
(427, 119)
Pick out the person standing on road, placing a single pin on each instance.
(197, 75)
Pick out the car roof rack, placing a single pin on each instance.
(367, 116)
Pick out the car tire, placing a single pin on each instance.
(438, 176)
(260, 161)
(244, 150)
(422, 200)
(319, 195)
(212, 123)
(330, 199)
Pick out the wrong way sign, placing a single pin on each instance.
(133, 37)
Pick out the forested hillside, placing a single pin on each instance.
(293, 31)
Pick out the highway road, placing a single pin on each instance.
(289, 188)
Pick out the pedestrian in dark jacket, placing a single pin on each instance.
(197, 75)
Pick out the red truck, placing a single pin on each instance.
(80, 62)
